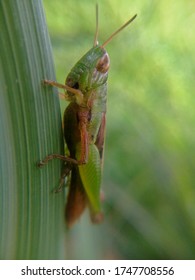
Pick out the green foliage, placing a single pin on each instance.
(30, 123)
(149, 158)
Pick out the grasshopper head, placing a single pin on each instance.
(90, 72)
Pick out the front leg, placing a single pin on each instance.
(78, 94)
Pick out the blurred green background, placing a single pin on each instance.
(149, 169)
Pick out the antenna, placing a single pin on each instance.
(96, 31)
(117, 31)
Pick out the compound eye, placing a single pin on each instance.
(76, 85)
(71, 83)
(103, 64)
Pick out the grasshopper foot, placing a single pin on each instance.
(40, 164)
(44, 81)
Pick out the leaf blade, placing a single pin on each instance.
(31, 128)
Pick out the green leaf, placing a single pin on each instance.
(31, 215)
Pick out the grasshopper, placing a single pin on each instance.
(84, 130)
